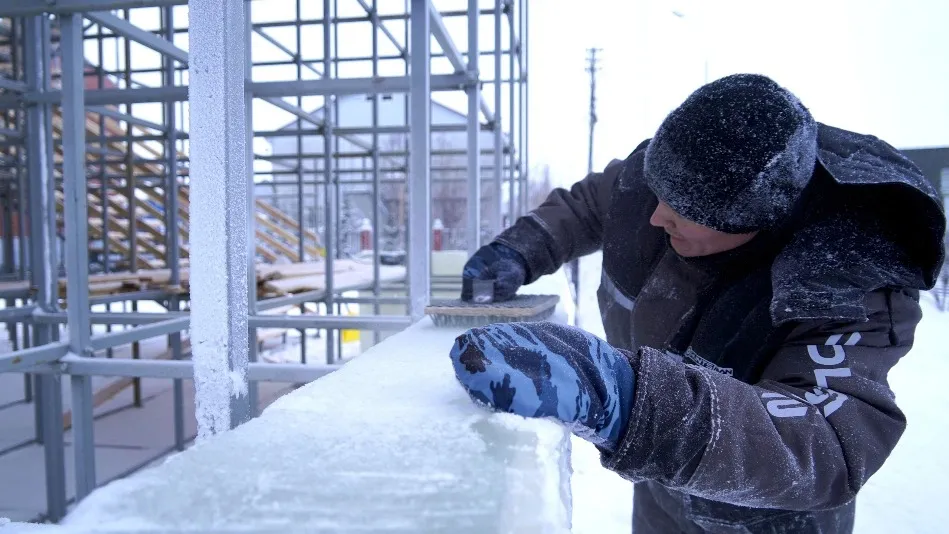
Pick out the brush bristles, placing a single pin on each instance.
(474, 321)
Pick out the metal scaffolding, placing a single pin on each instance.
(98, 179)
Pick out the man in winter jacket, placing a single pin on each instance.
(761, 276)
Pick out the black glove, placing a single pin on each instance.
(501, 263)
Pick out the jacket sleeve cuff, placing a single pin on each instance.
(529, 237)
(623, 460)
(669, 424)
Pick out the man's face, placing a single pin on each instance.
(690, 239)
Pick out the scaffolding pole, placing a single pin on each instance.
(377, 224)
(329, 193)
(474, 132)
(77, 249)
(172, 242)
(512, 121)
(420, 224)
(253, 399)
(48, 411)
(523, 52)
(497, 202)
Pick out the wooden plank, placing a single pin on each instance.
(277, 271)
(185, 206)
(283, 234)
(182, 228)
(119, 226)
(123, 226)
(96, 231)
(92, 131)
(181, 220)
(266, 253)
(266, 334)
(106, 288)
(148, 208)
(288, 252)
(160, 199)
(150, 227)
(163, 276)
(298, 284)
(109, 277)
(106, 278)
(287, 220)
(123, 213)
(112, 128)
(287, 236)
(356, 277)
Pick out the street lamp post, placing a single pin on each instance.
(681, 15)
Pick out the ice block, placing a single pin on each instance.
(389, 443)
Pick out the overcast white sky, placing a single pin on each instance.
(873, 66)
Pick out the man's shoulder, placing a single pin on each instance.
(840, 139)
(856, 158)
(638, 152)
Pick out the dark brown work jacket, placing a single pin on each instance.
(765, 406)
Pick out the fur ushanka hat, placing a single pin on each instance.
(735, 156)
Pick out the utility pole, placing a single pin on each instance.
(592, 68)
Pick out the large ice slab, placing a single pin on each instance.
(390, 443)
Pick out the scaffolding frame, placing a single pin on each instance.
(45, 138)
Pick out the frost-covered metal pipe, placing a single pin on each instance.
(219, 205)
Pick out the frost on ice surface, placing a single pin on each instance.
(8, 527)
(390, 443)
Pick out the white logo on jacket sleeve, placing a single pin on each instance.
(822, 396)
(781, 406)
(832, 367)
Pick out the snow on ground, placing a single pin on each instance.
(602, 501)
(907, 495)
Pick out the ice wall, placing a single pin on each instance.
(390, 443)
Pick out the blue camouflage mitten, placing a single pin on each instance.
(499, 262)
(548, 370)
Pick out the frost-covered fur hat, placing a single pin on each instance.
(735, 156)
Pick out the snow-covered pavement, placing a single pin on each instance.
(907, 495)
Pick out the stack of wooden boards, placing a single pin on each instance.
(280, 280)
(277, 233)
(272, 280)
